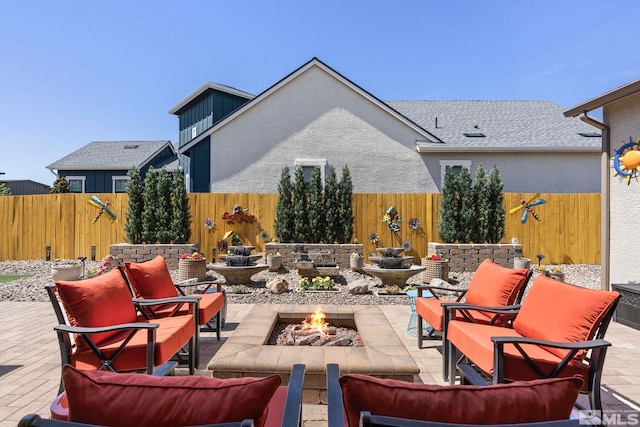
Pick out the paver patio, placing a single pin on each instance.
(30, 361)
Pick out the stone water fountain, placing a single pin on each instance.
(392, 268)
(239, 265)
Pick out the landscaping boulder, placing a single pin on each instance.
(358, 287)
(277, 285)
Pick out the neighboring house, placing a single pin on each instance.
(102, 166)
(232, 141)
(620, 202)
(23, 187)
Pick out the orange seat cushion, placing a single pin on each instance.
(474, 341)
(557, 311)
(430, 310)
(210, 305)
(493, 285)
(521, 402)
(171, 335)
(139, 400)
(104, 300)
(151, 279)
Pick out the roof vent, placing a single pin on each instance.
(590, 134)
(474, 134)
(131, 146)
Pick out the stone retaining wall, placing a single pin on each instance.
(138, 253)
(339, 253)
(467, 257)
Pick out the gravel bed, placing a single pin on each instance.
(32, 288)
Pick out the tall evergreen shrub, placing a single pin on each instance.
(4, 190)
(301, 231)
(283, 224)
(60, 185)
(164, 208)
(181, 214)
(149, 229)
(135, 192)
(481, 200)
(316, 207)
(496, 214)
(332, 207)
(345, 196)
(449, 208)
(466, 222)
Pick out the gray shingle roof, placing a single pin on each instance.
(103, 155)
(504, 123)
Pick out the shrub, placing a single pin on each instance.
(495, 214)
(60, 185)
(316, 207)
(345, 198)
(149, 210)
(482, 205)
(163, 210)
(332, 207)
(300, 208)
(283, 224)
(467, 218)
(181, 215)
(449, 208)
(135, 191)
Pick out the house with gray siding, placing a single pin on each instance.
(316, 118)
(102, 166)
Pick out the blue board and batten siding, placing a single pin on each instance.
(200, 174)
(101, 181)
(205, 111)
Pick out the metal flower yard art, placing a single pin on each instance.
(626, 161)
(392, 219)
(528, 208)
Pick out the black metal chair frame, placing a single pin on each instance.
(33, 420)
(596, 351)
(65, 331)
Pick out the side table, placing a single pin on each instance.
(412, 327)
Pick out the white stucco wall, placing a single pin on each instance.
(623, 118)
(316, 116)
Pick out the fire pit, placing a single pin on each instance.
(315, 331)
(247, 353)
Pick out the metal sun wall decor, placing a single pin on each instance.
(626, 161)
(103, 206)
(528, 208)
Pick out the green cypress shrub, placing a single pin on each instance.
(316, 207)
(496, 214)
(481, 202)
(135, 192)
(283, 224)
(467, 219)
(4, 190)
(449, 208)
(331, 206)
(150, 203)
(300, 208)
(163, 207)
(181, 214)
(345, 196)
(60, 185)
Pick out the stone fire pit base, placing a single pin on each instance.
(246, 354)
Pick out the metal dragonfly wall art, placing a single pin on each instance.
(527, 206)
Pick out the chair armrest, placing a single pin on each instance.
(503, 309)
(335, 412)
(582, 345)
(435, 290)
(292, 416)
(95, 330)
(207, 283)
(141, 302)
(33, 420)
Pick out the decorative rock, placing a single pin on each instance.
(358, 287)
(439, 282)
(277, 285)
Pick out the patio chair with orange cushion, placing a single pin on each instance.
(355, 398)
(558, 332)
(151, 280)
(128, 400)
(491, 285)
(100, 328)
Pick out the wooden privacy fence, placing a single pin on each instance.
(568, 230)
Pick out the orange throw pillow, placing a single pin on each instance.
(139, 400)
(151, 279)
(493, 285)
(518, 402)
(104, 300)
(557, 311)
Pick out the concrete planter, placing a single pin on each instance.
(356, 263)
(274, 262)
(73, 272)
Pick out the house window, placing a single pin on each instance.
(308, 166)
(119, 184)
(76, 183)
(455, 165)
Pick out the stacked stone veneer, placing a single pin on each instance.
(467, 257)
(339, 252)
(138, 253)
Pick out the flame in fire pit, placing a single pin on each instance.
(316, 321)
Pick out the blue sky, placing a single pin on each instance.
(78, 71)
